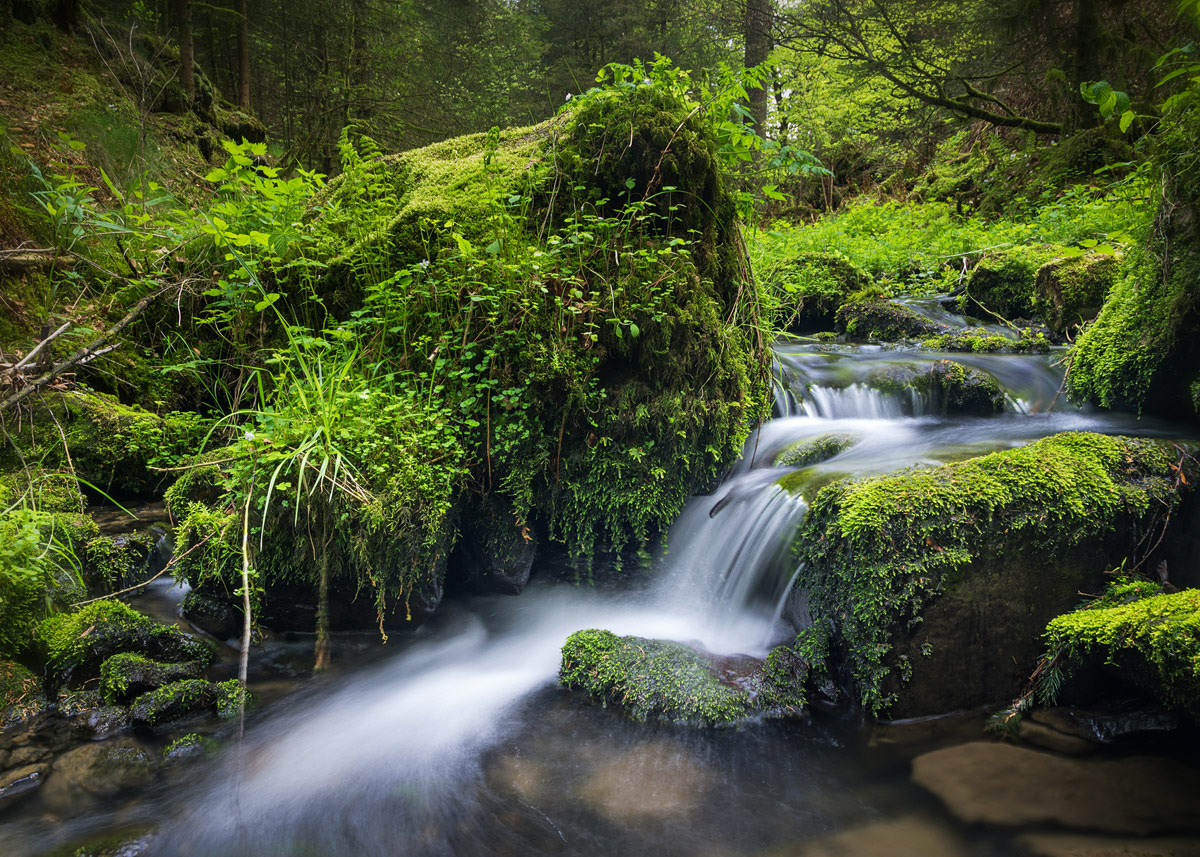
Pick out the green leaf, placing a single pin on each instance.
(634, 331)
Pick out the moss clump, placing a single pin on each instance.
(109, 444)
(190, 746)
(128, 674)
(875, 552)
(111, 560)
(953, 388)
(667, 680)
(20, 693)
(40, 489)
(648, 678)
(174, 701)
(881, 319)
(77, 644)
(1071, 291)
(1003, 284)
(978, 340)
(231, 698)
(810, 289)
(814, 450)
(1152, 640)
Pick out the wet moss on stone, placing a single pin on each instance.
(174, 701)
(1003, 284)
(814, 450)
(809, 289)
(875, 552)
(126, 675)
(879, 318)
(1071, 291)
(978, 340)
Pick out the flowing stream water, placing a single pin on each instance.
(458, 741)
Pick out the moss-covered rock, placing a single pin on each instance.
(124, 676)
(77, 644)
(882, 319)
(932, 585)
(1149, 638)
(209, 613)
(174, 701)
(1071, 291)
(1003, 284)
(667, 680)
(112, 446)
(953, 388)
(113, 562)
(810, 289)
(814, 450)
(978, 340)
(189, 747)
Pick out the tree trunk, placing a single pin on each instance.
(758, 48)
(1088, 38)
(243, 39)
(187, 49)
(322, 647)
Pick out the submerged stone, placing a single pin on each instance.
(884, 320)
(671, 681)
(1010, 786)
(97, 770)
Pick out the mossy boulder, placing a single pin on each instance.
(113, 562)
(1004, 284)
(952, 388)
(879, 318)
(810, 289)
(931, 586)
(75, 645)
(1148, 638)
(814, 450)
(124, 676)
(671, 681)
(112, 446)
(174, 701)
(1071, 291)
(978, 340)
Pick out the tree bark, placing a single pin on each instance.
(243, 39)
(758, 48)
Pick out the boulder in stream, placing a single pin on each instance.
(1070, 291)
(671, 681)
(930, 588)
(879, 318)
(1003, 284)
(127, 675)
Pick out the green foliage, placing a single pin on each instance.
(980, 341)
(1151, 638)
(876, 550)
(20, 693)
(804, 292)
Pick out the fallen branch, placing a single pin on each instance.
(83, 354)
(37, 349)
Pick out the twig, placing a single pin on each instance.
(87, 351)
(37, 348)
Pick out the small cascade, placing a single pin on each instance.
(854, 401)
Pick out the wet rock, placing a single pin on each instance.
(1106, 727)
(904, 837)
(96, 724)
(671, 681)
(1003, 284)
(1010, 786)
(493, 553)
(28, 755)
(884, 320)
(127, 675)
(103, 769)
(214, 615)
(1041, 735)
(21, 781)
(953, 388)
(1071, 291)
(652, 781)
(113, 562)
(189, 748)
(814, 450)
(1076, 845)
(175, 701)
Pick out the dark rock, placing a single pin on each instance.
(1105, 727)
(1013, 787)
(1041, 735)
(1003, 284)
(175, 701)
(214, 615)
(189, 748)
(21, 781)
(492, 554)
(100, 769)
(128, 675)
(96, 724)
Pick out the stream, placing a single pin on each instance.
(457, 740)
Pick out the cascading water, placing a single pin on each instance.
(431, 751)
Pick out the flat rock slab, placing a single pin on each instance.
(1000, 784)
(1076, 845)
(901, 837)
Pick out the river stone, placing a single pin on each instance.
(1041, 735)
(1105, 727)
(127, 675)
(102, 722)
(1075, 845)
(214, 615)
(174, 701)
(20, 781)
(652, 781)
(103, 769)
(902, 837)
(1004, 785)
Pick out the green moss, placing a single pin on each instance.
(810, 288)
(649, 678)
(1151, 639)
(174, 701)
(881, 319)
(20, 693)
(111, 445)
(953, 388)
(1071, 291)
(112, 559)
(190, 746)
(875, 551)
(231, 697)
(814, 450)
(1003, 284)
(128, 674)
(978, 340)
(77, 644)
(43, 490)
